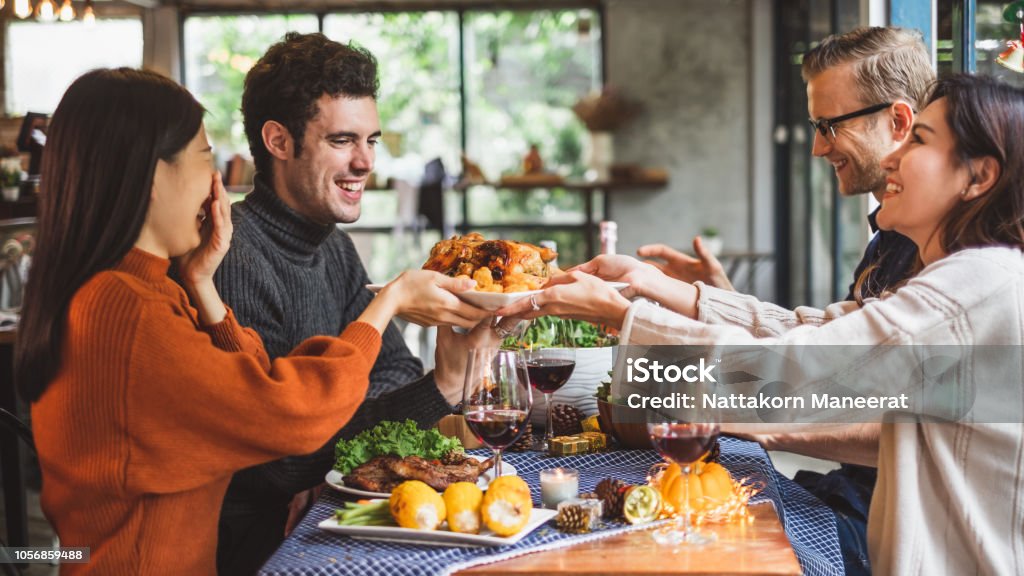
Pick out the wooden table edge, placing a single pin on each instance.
(563, 560)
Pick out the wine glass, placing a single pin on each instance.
(496, 399)
(682, 437)
(550, 361)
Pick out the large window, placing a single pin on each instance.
(219, 50)
(523, 71)
(43, 59)
(418, 62)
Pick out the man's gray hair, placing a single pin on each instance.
(889, 64)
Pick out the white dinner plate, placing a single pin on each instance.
(337, 480)
(492, 301)
(441, 537)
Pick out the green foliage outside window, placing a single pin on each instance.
(219, 51)
(524, 71)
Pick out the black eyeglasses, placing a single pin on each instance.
(828, 125)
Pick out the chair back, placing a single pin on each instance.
(11, 424)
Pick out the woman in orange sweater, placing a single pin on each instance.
(144, 406)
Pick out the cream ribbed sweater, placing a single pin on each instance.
(950, 497)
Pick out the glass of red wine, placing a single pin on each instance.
(496, 399)
(550, 362)
(682, 438)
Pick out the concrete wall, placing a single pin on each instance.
(689, 63)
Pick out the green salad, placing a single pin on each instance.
(540, 333)
(399, 438)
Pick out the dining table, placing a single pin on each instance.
(790, 531)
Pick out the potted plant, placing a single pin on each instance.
(10, 178)
(711, 240)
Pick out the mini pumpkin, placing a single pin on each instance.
(709, 483)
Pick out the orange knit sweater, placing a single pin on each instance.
(150, 414)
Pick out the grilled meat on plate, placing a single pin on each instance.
(436, 475)
(384, 473)
(374, 476)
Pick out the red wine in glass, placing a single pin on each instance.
(683, 443)
(496, 398)
(549, 374)
(497, 428)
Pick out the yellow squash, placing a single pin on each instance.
(416, 505)
(507, 506)
(462, 500)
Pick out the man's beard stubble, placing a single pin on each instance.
(866, 167)
(868, 177)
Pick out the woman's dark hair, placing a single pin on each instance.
(104, 141)
(986, 117)
(286, 83)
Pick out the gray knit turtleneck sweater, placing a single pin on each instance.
(289, 279)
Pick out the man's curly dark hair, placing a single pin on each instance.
(287, 81)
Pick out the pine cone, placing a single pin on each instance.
(612, 492)
(566, 420)
(525, 442)
(573, 519)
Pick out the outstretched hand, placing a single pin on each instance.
(617, 268)
(705, 267)
(576, 295)
(428, 298)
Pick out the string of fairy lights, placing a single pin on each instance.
(48, 11)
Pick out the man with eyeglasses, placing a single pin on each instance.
(863, 90)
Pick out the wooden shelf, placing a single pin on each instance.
(588, 189)
(588, 225)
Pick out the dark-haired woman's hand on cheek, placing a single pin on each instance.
(197, 267)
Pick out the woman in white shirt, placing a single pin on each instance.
(950, 497)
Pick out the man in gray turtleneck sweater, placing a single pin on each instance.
(310, 115)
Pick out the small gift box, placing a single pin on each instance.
(598, 440)
(568, 446)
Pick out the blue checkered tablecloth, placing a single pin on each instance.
(809, 524)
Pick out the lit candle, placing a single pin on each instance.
(558, 484)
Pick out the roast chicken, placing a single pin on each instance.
(496, 265)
